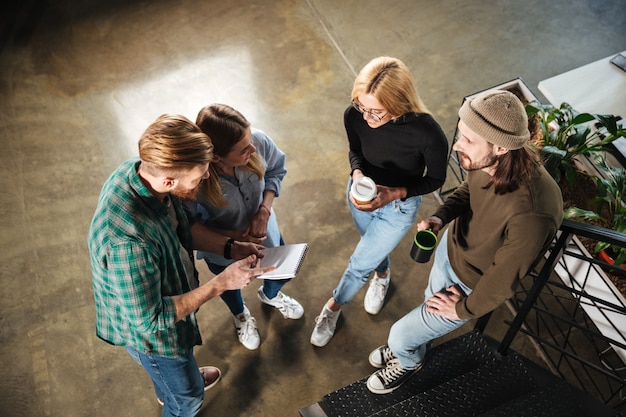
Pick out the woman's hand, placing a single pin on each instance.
(257, 229)
(385, 196)
(356, 174)
(241, 250)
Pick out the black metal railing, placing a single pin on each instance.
(575, 315)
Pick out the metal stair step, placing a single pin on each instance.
(554, 400)
(472, 393)
(465, 377)
(443, 363)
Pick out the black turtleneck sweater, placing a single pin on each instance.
(410, 152)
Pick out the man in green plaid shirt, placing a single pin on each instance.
(146, 287)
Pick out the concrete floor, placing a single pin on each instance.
(80, 80)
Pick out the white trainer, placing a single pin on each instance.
(325, 325)
(247, 332)
(375, 296)
(289, 307)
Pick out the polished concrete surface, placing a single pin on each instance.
(80, 80)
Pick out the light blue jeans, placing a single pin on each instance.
(410, 336)
(381, 231)
(176, 381)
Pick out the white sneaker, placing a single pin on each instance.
(375, 296)
(290, 308)
(325, 325)
(247, 331)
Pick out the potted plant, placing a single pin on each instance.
(568, 142)
(564, 135)
(610, 208)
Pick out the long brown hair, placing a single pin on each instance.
(226, 127)
(390, 81)
(514, 168)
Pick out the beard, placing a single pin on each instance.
(486, 162)
(186, 193)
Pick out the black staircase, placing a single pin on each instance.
(466, 376)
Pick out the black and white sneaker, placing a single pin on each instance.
(380, 356)
(389, 378)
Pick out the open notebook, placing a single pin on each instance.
(287, 259)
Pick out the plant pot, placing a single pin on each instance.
(607, 256)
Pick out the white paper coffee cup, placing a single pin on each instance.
(363, 190)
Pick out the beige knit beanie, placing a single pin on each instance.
(498, 117)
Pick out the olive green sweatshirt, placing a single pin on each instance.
(494, 240)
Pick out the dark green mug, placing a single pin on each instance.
(424, 244)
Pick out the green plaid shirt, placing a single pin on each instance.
(137, 266)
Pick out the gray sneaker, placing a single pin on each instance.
(247, 332)
(375, 296)
(381, 356)
(390, 377)
(325, 325)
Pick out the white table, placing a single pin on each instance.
(599, 87)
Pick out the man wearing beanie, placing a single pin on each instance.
(500, 220)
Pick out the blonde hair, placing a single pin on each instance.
(226, 127)
(173, 145)
(390, 81)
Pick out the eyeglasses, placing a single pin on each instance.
(369, 113)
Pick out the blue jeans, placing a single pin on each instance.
(410, 336)
(233, 298)
(176, 381)
(381, 231)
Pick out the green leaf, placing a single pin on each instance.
(582, 118)
(621, 255)
(600, 246)
(532, 109)
(608, 121)
(553, 152)
(575, 212)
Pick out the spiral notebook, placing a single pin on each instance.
(287, 259)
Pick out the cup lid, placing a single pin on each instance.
(364, 188)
